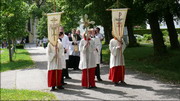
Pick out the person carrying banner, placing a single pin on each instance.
(117, 65)
(56, 63)
(87, 61)
(55, 52)
(117, 46)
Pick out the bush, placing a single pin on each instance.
(20, 46)
(147, 37)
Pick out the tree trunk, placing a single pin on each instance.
(108, 34)
(132, 39)
(157, 36)
(171, 29)
(9, 47)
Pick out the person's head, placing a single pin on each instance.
(85, 35)
(69, 34)
(90, 31)
(73, 31)
(97, 30)
(78, 32)
(61, 29)
(93, 32)
(61, 34)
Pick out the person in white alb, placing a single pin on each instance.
(117, 63)
(65, 42)
(87, 61)
(56, 62)
(101, 37)
(97, 52)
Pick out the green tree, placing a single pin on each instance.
(152, 12)
(171, 8)
(14, 15)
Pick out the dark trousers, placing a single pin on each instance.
(65, 72)
(74, 62)
(97, 72)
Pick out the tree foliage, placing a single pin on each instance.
(14, 15)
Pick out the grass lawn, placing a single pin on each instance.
(14, 94)
(21, 59)
(167, 67)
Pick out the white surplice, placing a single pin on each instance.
(53, 62)
(65, 42)
(87, 56)
(97, 51)
(115, 58)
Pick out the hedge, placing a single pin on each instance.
(148, 31)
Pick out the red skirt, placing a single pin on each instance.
(54, 78)
(88, 77)
(116, 74)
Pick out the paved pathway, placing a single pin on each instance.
(139, 86)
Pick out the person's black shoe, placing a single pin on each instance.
(76, 69)
(123, 83)
(60, 87)
(53, 89)
(64, 83)
(87, 87)
(99, 79)
(68, 77)
(93, 87)
(116, 84)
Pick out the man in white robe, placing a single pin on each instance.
(97, 53)
(56, 62)
(117, 70)
(101, 37)
(87, 62)
(65, 42)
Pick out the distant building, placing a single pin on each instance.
(31, 27)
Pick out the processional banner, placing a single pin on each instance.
(53, 26)
(118, 21)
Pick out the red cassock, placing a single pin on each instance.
(88, 77)
(117, 73)
(54, 78)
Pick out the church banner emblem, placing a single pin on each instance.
(53, 27)
(118, 21)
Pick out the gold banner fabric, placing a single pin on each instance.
(53, 26)
(118, 21)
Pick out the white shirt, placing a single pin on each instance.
(100, 36)
(53, 62)
(87, 56)
(65, 43)
(97, 52)
(45, 40)
(115, 58)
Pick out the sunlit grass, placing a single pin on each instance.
(142, 59)
(21, 59)
(14, 94)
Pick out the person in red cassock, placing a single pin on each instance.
(117, 70)
(87, 61)
(56, 62)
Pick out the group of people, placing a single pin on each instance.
(84, 53)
